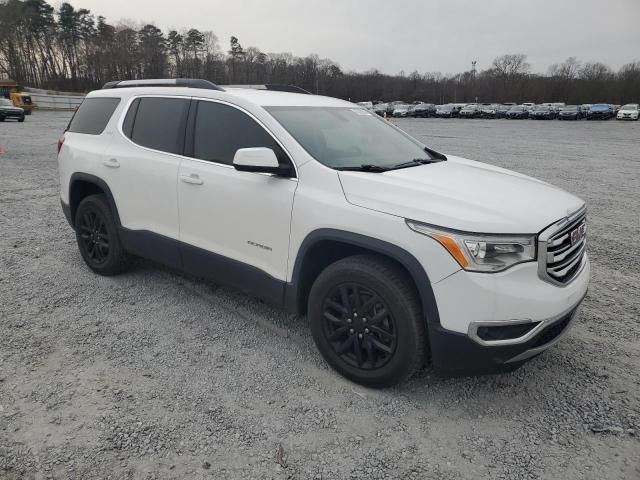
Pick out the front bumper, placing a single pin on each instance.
(469, 301)
(456, 354)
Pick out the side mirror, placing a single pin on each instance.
(259, 160)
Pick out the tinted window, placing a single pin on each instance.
(127, 126)
(220, 130)
(159, 123)
(93, 115)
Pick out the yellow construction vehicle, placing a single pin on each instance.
(11, 90)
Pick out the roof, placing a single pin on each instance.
(264, 98)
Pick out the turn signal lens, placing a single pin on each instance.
(452, 247)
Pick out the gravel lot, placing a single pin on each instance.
(154, 375)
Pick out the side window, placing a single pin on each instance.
(220, 130)
(157, 123)
(93, 115)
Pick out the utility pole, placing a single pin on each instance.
(473, 77)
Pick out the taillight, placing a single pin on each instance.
(60, 142)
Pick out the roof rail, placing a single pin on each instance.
(164, 82)
(275, 87)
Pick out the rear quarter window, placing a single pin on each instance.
(93, 115)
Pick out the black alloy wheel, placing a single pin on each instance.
(93, 234)
(97, 236)
(359, 326)
(367, 321)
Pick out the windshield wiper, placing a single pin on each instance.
(367, 167)
(413, 163)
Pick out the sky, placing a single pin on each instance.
(405, 35)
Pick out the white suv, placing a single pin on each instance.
(399, 255)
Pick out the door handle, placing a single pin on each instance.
(193, 179)
(111, 163)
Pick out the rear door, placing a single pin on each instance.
(141, 169)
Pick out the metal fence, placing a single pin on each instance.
(51, 100)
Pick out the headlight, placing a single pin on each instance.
(481, 253)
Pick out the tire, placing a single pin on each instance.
(394, 347)
(21, 119)
(97, 237)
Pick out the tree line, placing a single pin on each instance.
(71, 49)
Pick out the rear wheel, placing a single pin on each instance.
(366, 321)
(97, 237)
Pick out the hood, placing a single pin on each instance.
(628, 111)
(463, 195)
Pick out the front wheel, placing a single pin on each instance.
(366, 321)
(97, 237)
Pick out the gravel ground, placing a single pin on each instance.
(155, 375)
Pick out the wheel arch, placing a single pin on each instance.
(82, 185)
(325, 246)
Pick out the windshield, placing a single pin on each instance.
(347, 137)
(600, 106)
(541, 108)
(5, 102)
(630, 106)
(516, 109)
(445, 108)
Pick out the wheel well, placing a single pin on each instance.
(324, 253)
(78, 191)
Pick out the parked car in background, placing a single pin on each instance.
(444, 111)
(628, 112)
(424, 110)
(9, 110)
(501, 110)
(456, 109)
(543, 112)
(489, 111)
(558, 106)
(600, 111)
(391, 106)
(585, 107)
(380, 109)
(367, 105)
(401, 110)
(469, 111)
(518, 112)
(529, 106)
(570, 112)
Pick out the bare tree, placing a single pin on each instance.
(510, 69)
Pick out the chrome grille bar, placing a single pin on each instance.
(562, 249)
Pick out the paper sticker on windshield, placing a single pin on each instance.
(360, 111)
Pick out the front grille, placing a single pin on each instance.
(563, 250)
(552, 331)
